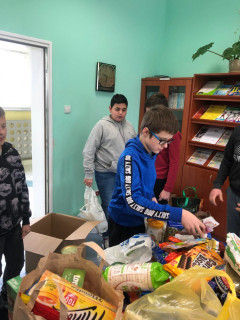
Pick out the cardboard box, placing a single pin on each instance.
(53, 232)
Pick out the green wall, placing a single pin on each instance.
(142, 38)
(126, 33)
(191, 24)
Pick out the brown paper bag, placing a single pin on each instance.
(54, 262)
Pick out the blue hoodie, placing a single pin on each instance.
(132, 197)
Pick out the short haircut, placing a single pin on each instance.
(2, 112)
(156, 99)
(118, 98)
(160, 118)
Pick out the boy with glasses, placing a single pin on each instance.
(133, 198)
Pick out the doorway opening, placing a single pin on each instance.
(27, 102)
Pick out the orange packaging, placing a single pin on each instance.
(199, 255)
(80, 302)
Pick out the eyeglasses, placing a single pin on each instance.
(161, 141)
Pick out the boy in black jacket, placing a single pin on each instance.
(230, 167)
(14, 209)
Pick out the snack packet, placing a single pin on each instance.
(232, 252)
(196, 256)
(210, 224)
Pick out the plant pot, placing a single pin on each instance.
(234, 65)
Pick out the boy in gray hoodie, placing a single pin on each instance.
(104, 145)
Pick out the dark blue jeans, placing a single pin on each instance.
(106, 183)
(11, 246)
(233, 216)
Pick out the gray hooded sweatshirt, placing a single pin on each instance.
(105, 144)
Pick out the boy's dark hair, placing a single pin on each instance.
(160, 118)
(118, 98)
(2, 112)
(156, 99)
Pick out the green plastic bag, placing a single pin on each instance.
(191, 204)
(187, 297)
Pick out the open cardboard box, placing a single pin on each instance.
(53, 232)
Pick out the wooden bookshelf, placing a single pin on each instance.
(202, 177)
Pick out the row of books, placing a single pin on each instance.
(201, 155)
(213, 135)
(176, 100)
(220, 88)
(219, 113)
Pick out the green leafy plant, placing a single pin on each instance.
(230, 53)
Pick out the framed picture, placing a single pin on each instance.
(105, 77)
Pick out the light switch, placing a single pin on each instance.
(67, 109)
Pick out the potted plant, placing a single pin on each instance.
(232, 54)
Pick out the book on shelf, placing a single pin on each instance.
(235, 91)
(238, 118)
(200, 112)
(180, 100)
(224, 138)
(213, 112)
(200, 133)
(210, 87)
(216, 160)
(176, 100)
(208, 134)
(200, 156)
(223, 89)
(230, 114)
(172, 101)
(233, 114)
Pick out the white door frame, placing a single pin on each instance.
(47, 45)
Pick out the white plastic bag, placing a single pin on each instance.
(135, 249)
(92, 210)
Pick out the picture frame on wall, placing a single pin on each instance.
(105, 77)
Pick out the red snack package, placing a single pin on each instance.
(174, 239)
(173, 255)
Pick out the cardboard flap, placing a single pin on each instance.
(40, 243)
(83, 231)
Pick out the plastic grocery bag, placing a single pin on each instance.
(192, 204)
(138, 248)
(92, 210)
(187, 297)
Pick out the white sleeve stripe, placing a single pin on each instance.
(128, 195)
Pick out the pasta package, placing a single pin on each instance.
(199, 255)
(80, 303)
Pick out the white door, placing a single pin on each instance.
(36, 85)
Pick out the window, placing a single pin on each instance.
(15, 76)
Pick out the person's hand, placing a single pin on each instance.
(214, 194)
(154, 199)
(238, 207)
(25, 230)
(164, 195)
(192, 224)
(88, 182)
